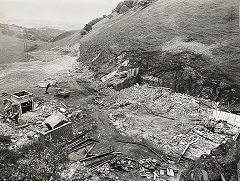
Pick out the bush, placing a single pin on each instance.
(144, 3)
(129, 3)
(83, 32)
(110, 16)
(124, 9)
(232, 14)
(32, 162)
(88, 26)
(118, 7)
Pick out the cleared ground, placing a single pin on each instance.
(78, 79)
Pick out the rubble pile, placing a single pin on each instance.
(30, 124)
(149, 169)
(168, 120)
(6, 129)
(108, 167)
(154, 96)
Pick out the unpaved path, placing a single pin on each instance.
(25, 75)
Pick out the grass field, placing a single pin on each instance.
(212, 27)
(12, 38)
(12, 49)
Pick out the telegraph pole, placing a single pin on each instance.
(25, 46)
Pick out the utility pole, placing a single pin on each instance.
(26, 46)
(25, 50)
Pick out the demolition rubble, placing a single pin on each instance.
(176, 129)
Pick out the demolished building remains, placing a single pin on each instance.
(18, 104)
(59, 129)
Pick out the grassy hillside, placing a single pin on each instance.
(187, 44)
(12, 38)
(210, 26)
(41, 34)
(12, 48)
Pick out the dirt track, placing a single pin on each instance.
(25, 75)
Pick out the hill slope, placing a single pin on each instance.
(204, 22)
(173, 29)
(12, 48)
(41, 34)
(13, 37)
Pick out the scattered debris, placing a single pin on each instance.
(4, 94)
(59, 128)
(62, 93)
(22, 126)
(93, 60)
(186, 148)
(64, 105)
(43, 84)
(144, 145)
(18, 104)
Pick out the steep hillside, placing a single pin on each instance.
(205, 29)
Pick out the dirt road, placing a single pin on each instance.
(25, 75)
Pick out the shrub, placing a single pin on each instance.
(124, 9)
(110, 16)
(83, 32)
(88, 26)
(32, 162)
(144, 3)
(129, 3)
(118, 7)
(232, 14)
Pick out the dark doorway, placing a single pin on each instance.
(26, 106)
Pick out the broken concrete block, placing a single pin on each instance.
(162, 172)
(155, 175)
(30, 134)
(170, 172)
(205, 175)
(62, 110)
